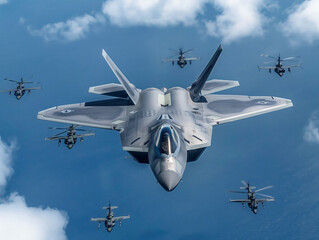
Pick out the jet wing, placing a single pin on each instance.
(108, 114)
(240, 200)
(227, 108)
(120, 218)
(98, 219)
(265, 200)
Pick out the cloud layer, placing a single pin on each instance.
(237, 19)
(73, 29)
(19, 221)
(3, 1)
(153, 13)
(311, 132)
(302, 23)
(5, 163)
(230, 20)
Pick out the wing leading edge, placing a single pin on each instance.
(108, 114)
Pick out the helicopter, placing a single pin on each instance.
(279, 68)
(71, 136)
(181, 60)
(252, 201)
(20, 90)
(110, 220)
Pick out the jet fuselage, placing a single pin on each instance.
(162, 125)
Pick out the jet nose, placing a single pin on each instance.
(168, 180)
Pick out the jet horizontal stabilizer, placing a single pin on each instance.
(217, 85)
(112, 89)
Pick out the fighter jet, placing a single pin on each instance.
(252, 200)
(181, 60)
(279, 68)
(20, 89)
(71, 136)
(165, 128)
(110, 220)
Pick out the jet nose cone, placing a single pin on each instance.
(168, 180)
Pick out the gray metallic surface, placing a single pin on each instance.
(140, 120)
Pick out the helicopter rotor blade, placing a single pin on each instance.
(265, 55)
(60, 133)
(264, 195)
(173, 50)
(84, 130)
(30, 82)
(244, 183)
(258, 190)
(10, 80)
(268, 62)
(58, 128)
(289, 58)
(188, 51)
(236, 191)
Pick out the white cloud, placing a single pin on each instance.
(153, 13)
(3, 1)
(302, 24)
(238, 19)
(311, 132)
(73, 29)
(20, 222)
(22, 20)
(5, 163)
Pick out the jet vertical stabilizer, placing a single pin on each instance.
(131, 90)
(197, 86)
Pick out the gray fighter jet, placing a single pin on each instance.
(165, 128)
(110, 220)
(252, 200)
(181, 60)
(71, 136)
(20, 89)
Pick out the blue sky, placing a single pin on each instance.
(70, 186)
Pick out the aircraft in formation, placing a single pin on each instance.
(252, 201)
(20, 90)
(71, 136)
(181, 60)
(165, 128)
(279, 68)
(110, 220)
